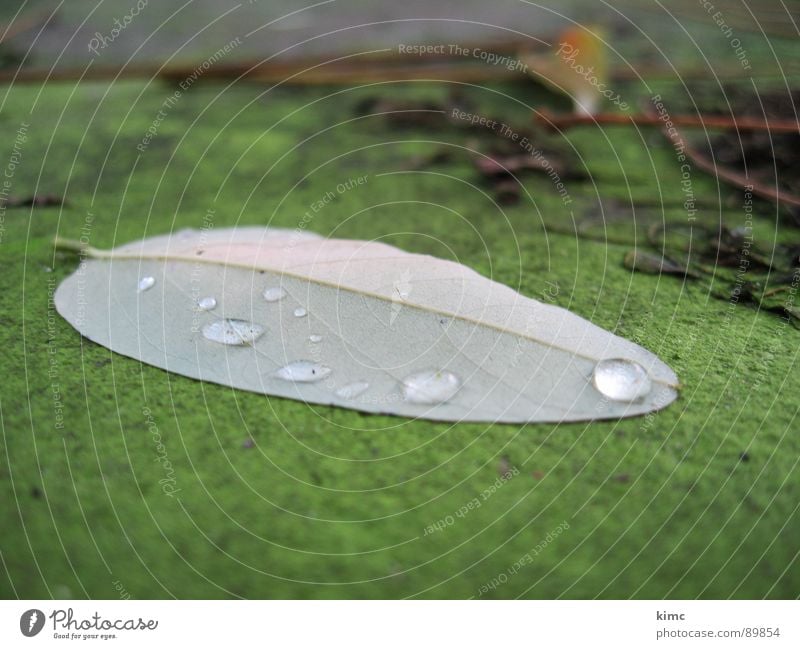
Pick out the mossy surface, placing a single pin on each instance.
(699, 500)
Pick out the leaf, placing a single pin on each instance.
(357, 324)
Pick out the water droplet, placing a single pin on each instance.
(206, 303)
(621, 380)
(232, 332)
(352, 390)
(146, 283)
(430, 387)
(303, 372)
(315, 338)
(274, 294)
(300, 312)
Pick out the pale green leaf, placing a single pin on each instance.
(356, 324)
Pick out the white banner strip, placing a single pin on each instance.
(399, 624)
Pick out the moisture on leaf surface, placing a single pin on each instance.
(356, 324)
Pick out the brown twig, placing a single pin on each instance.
(370, 68)
(287, 73)
(567, 120)
(727, 175)
(361, 68)
(295, 75)
(740, 180)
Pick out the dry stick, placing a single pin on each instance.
(366, 63)
(374, 66)
(294, 73)
(286, 73)
(729, 175)
(723, 173)
(563, 121)
(368, 68)
(740, 180)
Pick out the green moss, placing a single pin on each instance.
(332, 503)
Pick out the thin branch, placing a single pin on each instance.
(365, 68)
(568, 120)
(740, 180)
(730, 176)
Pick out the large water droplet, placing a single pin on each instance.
(315, 338)
(232, 332)
(434, 386)
(146, 283)
(303, 372)
(300, 312)
(274, 294)
(352, 390)
(621, 380)
(206, 303)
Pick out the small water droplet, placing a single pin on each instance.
(232, 332)
(303, 372)
(315, 338)
(621, 380)
(206, 303)
(430, 387)
(352, 390)
(146, 283)
(274, 294)
(300, 312)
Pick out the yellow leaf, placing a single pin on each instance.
(577, 67)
